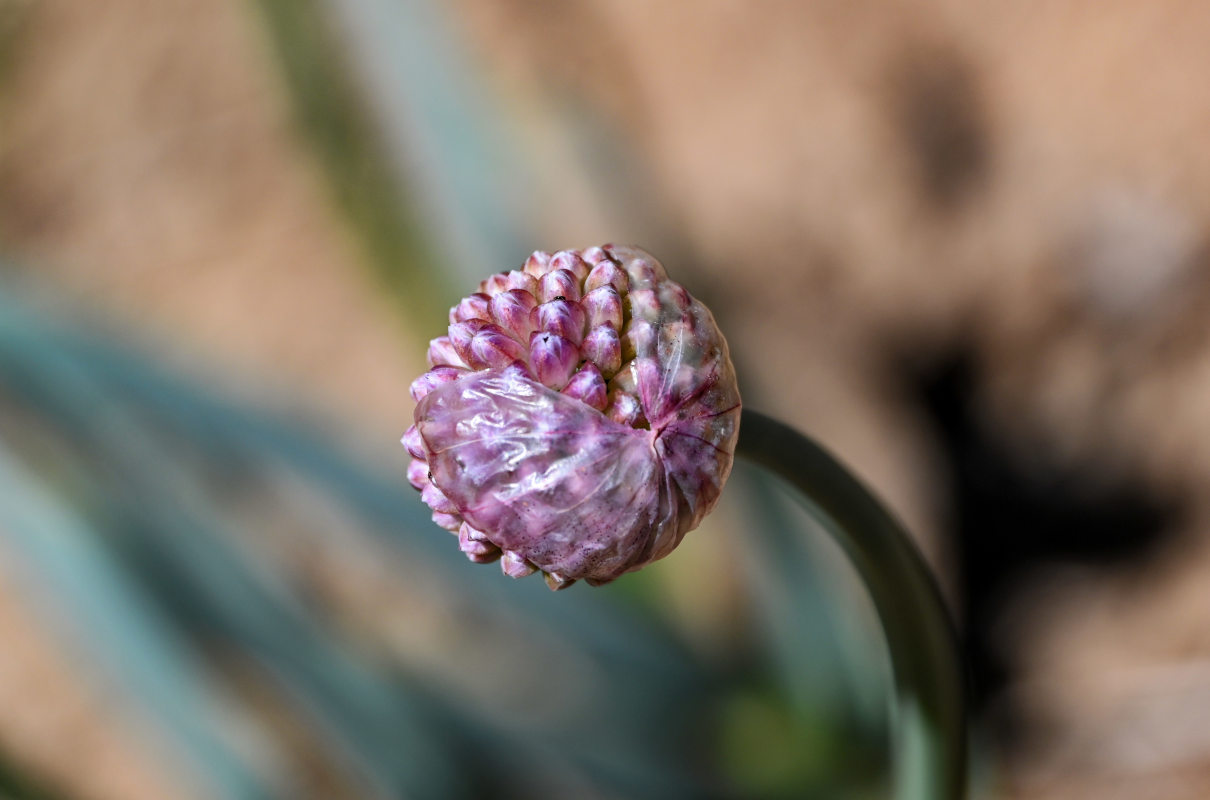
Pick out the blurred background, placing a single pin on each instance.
(965, 245)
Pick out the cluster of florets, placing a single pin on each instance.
(578, 417)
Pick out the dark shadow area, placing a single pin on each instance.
(1011, 515)
(937, 110)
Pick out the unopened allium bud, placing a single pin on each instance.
(579, 417)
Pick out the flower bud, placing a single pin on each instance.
(492, 348)
(432, 379)
(461, 334)
(476, 545)
(606, 273)
(562, 318)
(579, 417)
(570, 260)
(604, 349)
(588, 387)
(514, 565)
(442, 353)
(472, 307)
(512, 311)
(603, 306)
(559, 285)
(553, 358)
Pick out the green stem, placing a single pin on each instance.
(929, 718)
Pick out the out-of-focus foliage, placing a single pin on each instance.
(119, 481)
(133, 551)
(195, 547)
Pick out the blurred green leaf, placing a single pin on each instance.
(132, 643)
(635, 731)
(334, 116)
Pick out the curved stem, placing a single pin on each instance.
(929, 719)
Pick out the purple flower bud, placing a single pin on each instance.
(560, 317)
(461, 334)
(451, 522)
(492, 348)
(644, 274)
(414, 444)
(553, 358)
(570, 260)
(518, 370)
(512, 311)
(538, 264)
(584, 457)
(476, 545)
(625, 380)
(494, 285)
(559, 285)
(640, 336)
(431, 379)
(604, 307)
(522, 281)
(418, 474)
(673, 297)
(588, 387)
(471, 307)
(442, 353)
(603, 348)
(435, 499)
(606, 273)
(594, 255)
(514, 565)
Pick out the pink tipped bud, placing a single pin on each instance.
(570, 260)
(418, 474)
(451, 522)
(522, 281)
(594, 255)
(603, 347)
(553, 359)
(514, 565)
(588, 387)
(461, 334)
(538, 264)
(512, 311)
(561, 317)
(471, 307)
(603, 307)
(411, 440)
(494, 285)
(443, 354)
(435, 499)
(559, 285)
(432, 379)
(492, 348)
(606, 273)
(476, 545)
